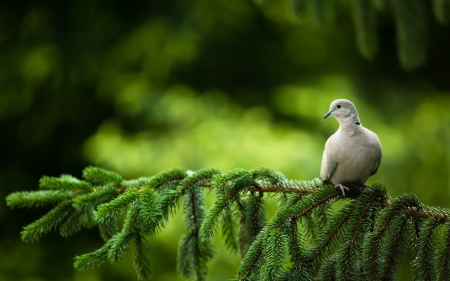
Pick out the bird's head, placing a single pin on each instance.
(342, 109)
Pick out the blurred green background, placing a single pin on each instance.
(142, 86)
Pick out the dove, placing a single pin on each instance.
(353, 153)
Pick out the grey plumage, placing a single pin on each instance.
(353, 153)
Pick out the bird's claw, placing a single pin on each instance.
(343, 188)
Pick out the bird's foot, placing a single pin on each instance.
(343, 188)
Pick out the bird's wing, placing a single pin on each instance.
(376, 166)
(328, 164)
(376, 151)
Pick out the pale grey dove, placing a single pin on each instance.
(353, 153)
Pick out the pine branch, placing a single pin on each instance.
(98, 176)
(424, 266)
(141, 262)
(42, 198)
(444, 257)
(273, 253)
(255, 215)
(64, 182)
(110, 211)
(94, 259)
(330, 233)
(36, 230)
(396, 247)
(367, 239)
(251, 260)
(194, 253)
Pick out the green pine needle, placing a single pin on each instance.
(221, 181)
(168, 179)
(75, 222)
(255, 215)
(306, 239)
(100, 195)
(229, 229)
(108, 230)
(121, 241)
(93, 259)
(424, 266)
(111, 210)
(274, 254)
(64, 182)
(251, 262)
(327, 271)
(393, 251)
(41, 198)
(331, 235)
(36, 230)
(99, 176)
(444, 256)
(141, 261)
(212, 218)
(150, 211)
(199, 178)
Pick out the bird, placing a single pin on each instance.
(353, 153)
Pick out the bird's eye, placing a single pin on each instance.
(338, 106)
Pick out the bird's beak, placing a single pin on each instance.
(328, 114)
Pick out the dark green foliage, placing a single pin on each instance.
(358, 224)
(193, 252)
(229, 229)
(444, 256)
(141, 262)
(255, 215)
(327, 271)
(273, 254)
(299, 7)
(368, 238)
(441, 9)
(331, 235)
(366, 27)
(389, 236)
(411, 21)
(121, 241)
(396, 245)
(423, 265)
(252, 259)
(410, 17)
(321, 10)
(296, 246)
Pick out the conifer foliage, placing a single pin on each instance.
(410, 17)
(308, 238)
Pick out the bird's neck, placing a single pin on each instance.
(350, 123)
